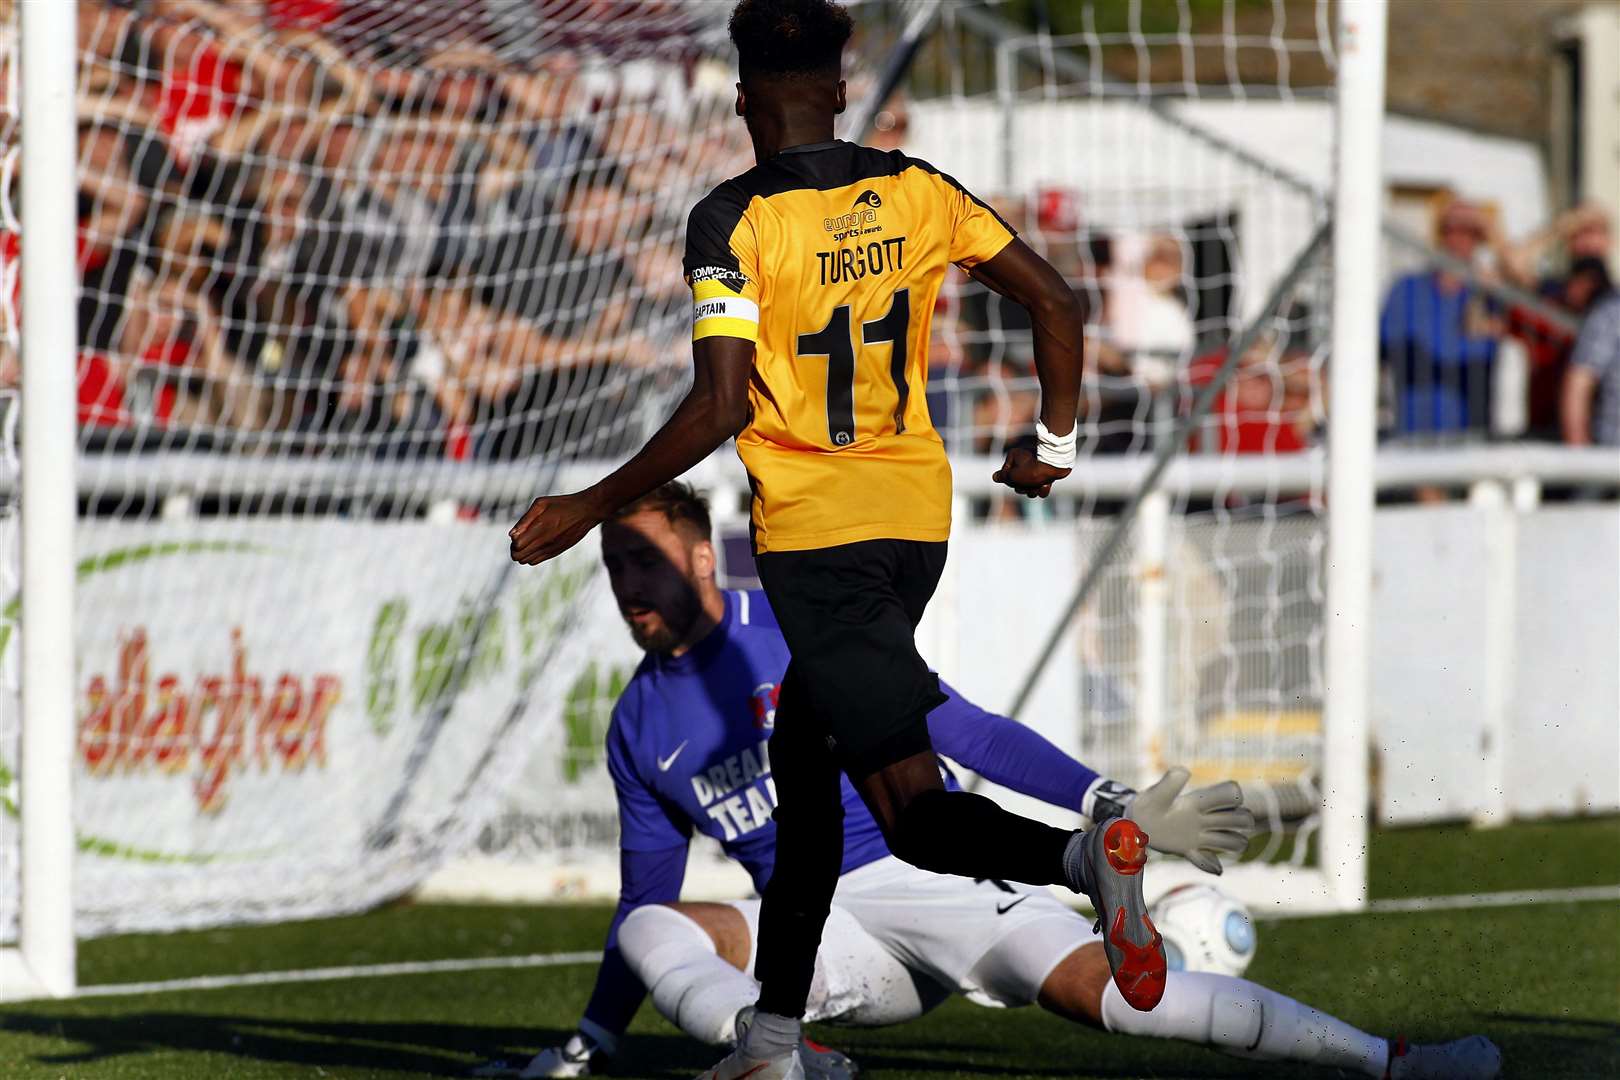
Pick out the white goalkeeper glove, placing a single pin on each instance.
(1200, 825)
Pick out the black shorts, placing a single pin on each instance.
(850, 615)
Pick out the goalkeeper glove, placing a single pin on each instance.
(1200, 825)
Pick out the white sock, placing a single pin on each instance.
(690, 985)
(1240, 1018)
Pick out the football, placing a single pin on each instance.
(1204, 930)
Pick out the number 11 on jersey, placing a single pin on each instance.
(835, 343)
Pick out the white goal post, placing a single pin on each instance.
(1352, 431)
(42, 961)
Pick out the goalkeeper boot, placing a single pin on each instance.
(1113, 856)
(820, 1062)
(573, 1058)
(825, 1063)
(740, 1065)
(1473, 1058)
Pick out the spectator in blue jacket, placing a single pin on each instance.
(1438, 335)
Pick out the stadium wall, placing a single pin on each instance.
(1462, 732)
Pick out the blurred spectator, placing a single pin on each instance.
(1002, 413)
(1582, 233)
(114, 227)
(1266, 405)
(392, 387)
(1595, 370)
(381, 228)
(1549, 346)
(1437, 338)
(1146, 312)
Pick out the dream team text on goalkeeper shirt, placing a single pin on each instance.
(829, 258)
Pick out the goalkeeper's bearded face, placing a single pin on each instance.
(660, 575)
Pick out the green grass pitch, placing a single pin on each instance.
(1543, 980)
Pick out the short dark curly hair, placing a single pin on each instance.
(790, 38)
(681, 506)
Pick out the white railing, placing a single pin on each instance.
(1523, 467)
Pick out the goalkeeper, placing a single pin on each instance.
(687, 750)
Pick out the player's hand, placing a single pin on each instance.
(552, 525)
(1028, 475)
(1200, 825)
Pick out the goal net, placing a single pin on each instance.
(361, 278)
(1173, 160)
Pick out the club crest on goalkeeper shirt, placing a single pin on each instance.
(829, 258)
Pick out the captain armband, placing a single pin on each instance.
(718, 309)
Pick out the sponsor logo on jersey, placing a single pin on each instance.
(766, 696)
(861, 219)
(732, 279)
(738, 793)
(665, 762)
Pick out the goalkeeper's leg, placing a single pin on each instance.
(1232, 1015)
(700, 986)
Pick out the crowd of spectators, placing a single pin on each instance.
(1156, 336)
(1443, 329)
(357, 226)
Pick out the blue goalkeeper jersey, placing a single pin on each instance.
(687, 749)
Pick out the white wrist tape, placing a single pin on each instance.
(1058, 451)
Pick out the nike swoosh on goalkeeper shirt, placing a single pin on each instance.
(665, 763)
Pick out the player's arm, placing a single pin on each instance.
(1200, 825)
(1598, 337)
(713, 410)
(1575, 416)
(1006, 752)
(722, 266)
(1058, 319)
(645, 877)
(652, 868)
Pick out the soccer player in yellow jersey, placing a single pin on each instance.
(813, 278)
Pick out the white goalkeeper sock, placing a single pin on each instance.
(690, 985)
(1240, 1018)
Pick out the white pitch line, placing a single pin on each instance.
(358, 971)
(1497, 899)
(1462, 901)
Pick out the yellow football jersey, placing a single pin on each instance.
(829, 258)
